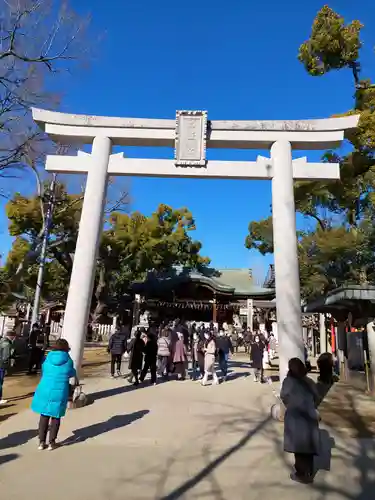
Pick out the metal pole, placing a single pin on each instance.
(214, 309)
(43, 252)
(323, 333)
(250, 314)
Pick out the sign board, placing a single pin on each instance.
(191, 135)
(243, 311)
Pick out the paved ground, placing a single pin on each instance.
(177, 440)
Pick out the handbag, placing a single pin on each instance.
(75, 390)
(77, 393)
(78, 398)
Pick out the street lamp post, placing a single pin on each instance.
(50, 196)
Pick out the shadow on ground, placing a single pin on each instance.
(208, 470)
(92, 431)
(234, 376)
(23, 396)
(323, 460)
(107, 393)
(95, 364)
(157, 477)
(17, 438)
(340, 411)
(5, 417)
(8, 458)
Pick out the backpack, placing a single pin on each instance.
(5, 352)
(40, 340)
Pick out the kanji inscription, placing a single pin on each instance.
(191, 129)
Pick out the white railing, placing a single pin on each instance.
(56, 329)
(99, 331)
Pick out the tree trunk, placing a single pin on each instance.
(363, 280)
(99, 296)
(99, 308)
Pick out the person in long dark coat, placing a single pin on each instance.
(256, 356)
(151, 352)
(224, 348)
(301, 422)
(36, 349)
(136, 349)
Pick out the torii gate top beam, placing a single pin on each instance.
(302, 134)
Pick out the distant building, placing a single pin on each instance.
(203, 295)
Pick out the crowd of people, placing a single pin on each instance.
(167, 350)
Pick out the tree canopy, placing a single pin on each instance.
(132, 244)
(339, 249)
(332, 44)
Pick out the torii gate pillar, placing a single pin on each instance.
(86, 254)
(288, 297)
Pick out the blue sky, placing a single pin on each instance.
(237, 60)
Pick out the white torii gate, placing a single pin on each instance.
(189, 134)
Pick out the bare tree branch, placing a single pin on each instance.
(118, 197)
(38, 38)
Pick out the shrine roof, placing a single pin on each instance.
(237, 282)
(345, 298)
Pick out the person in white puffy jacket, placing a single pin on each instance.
(209, 358)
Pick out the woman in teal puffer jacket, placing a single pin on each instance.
(51, 396)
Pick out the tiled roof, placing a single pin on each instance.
(226, 281)
(239, 279)
(269, 281)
